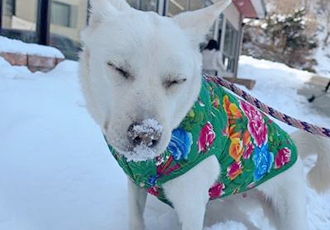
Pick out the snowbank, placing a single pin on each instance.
(277, 86)
(17, 46)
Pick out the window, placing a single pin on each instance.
(9, 7)
(145, 5)
(149, 5)
(134, 3)
(207, 3)
(230, 40)
(230, 47)
(62, 14)
(195, 4)
(220, 31)
(176, 6)
(18, 19)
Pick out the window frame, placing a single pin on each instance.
(138, 5)
(229, 59)
(68, 11)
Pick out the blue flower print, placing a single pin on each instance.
(152, 180)
(180, 144)
(263, 161)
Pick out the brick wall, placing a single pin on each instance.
(33, 62)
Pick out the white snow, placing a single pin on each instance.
(322, 56)
(17, 46)
(229, 225)
(56, 172)
(322, 53)
(149, 125)
(151, 130)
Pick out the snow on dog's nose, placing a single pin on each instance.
(146, 134)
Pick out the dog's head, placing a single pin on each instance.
(141, 72)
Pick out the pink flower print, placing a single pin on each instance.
(153, 191)
(216, 103)
(248, 151)
(256, 125)
(283, 157)
(248, 145)
(217, 190)
(201, 104)
(212, 91)
(234, 170)
(236, 191)
(251, 186)
(206, 137)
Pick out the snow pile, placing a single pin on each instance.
(56, 171)
(17, 46)
(229, 225)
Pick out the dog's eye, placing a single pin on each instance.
(170, 83)
(120, 70)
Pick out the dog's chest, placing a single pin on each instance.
(249, 146)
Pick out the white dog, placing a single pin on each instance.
(137, 66)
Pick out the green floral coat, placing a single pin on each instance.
(249, 146)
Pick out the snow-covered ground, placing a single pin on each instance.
(56, 172)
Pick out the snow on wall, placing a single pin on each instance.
(17, 46)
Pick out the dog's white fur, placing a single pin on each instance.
(154, 50)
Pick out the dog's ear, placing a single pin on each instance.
(101, 8)
(198, 23)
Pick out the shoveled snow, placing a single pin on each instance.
(56, 172)
(17, 46)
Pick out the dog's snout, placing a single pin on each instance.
(147, 133)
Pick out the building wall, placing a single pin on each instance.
(29, 15)
(27, 10)
(233, 15)
(80, 10)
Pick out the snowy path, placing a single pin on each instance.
(56, 172)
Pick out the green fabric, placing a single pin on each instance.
(249, 146)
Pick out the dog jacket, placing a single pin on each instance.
(249, 146)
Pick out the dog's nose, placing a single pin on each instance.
(147, 133)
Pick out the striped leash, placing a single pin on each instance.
(269, 110)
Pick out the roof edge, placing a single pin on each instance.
(260, 8)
